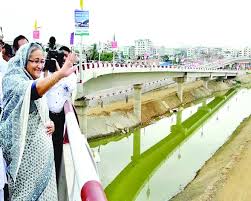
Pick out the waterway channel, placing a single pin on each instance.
(158, 161)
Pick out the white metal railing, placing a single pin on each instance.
(81, 174)
(92, 70)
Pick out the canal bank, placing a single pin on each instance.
(226, 175)
(118, 117)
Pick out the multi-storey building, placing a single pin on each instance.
(191, 52)
(132, 52)
(128, 52)
(247, 52)
(230, 52)
(153, 52)
(143, 46)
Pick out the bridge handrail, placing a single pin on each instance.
(94, 70)
(91, 66)
(87, 178)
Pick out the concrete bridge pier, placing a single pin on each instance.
(83, 126)
(205, 81)
(180, 82)
(137, 100)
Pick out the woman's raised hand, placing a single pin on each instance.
(68, 67)
(43, 85)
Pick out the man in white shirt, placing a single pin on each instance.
(7, 52)
(56, 97)
(18, 42)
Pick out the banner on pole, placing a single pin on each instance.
(81, 22)
(72, 39)
(114, 44)
(36, 34)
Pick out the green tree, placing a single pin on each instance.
(94, 53)
(106, 56)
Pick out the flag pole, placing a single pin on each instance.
(81, 49)
(81, 58)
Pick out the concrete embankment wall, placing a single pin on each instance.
(118, 117)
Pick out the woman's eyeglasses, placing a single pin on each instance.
(37, 62)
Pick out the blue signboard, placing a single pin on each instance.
(81, 22)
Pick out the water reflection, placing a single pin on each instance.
(148, 191)
(124, 186)
(129, 181)
(136, 145)
(171, 161)
(202, 132)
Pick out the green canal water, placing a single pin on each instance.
(158, 161)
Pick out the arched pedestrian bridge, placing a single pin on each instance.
(95, 77)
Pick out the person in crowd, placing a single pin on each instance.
(51, 44)
(25, 127)
(1, 45)
(3, 63)
(18, 42)
(56, 97)
(66, 51)
(7, 52)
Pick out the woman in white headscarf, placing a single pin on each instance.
(25, 128)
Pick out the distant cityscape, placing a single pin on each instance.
(143, 49)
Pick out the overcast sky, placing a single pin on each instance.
(172, 23)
